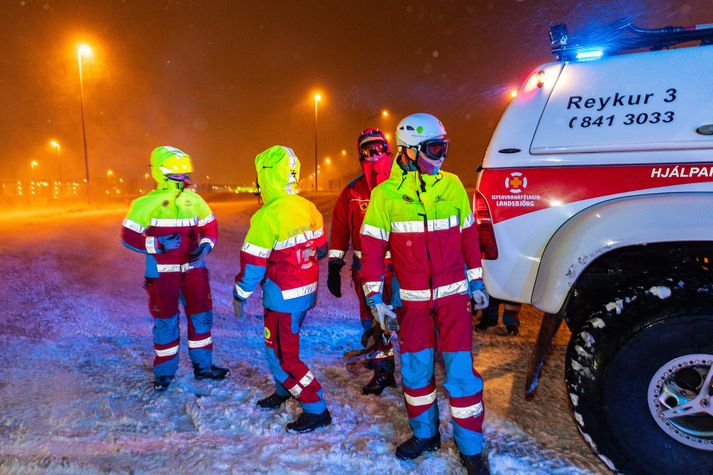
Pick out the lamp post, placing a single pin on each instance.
(56, 145)
(317, 98)
(33, 164)
(83, 51)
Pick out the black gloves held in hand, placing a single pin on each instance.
(334, 277)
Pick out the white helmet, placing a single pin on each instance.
(417, 128)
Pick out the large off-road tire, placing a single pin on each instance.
(639, 356)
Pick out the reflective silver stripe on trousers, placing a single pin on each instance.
(415, 295)
(242, 293)
(299, 291)
(173, 267)
(475, 274)
(372, 287)
(206, 240)
(206, 220)
(439, 292)
(200, 343)
(373, 231)
(167, 352)
(463, 412)
(254, 250)
(451, 289)
(336, 253)
(420, 400)
(151, 245)
(299, 239)
(357, 254)
(173, 223)
(306, 379)
(134, 226)
(295, 390)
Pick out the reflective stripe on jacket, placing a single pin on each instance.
(163, 212)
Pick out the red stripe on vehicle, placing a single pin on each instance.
(514, 192)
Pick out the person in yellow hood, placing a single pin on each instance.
(175, 228)
(280, 252)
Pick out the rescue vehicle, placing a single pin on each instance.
(595, 205)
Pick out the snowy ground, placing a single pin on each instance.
(75, 373)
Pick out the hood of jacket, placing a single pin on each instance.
(278, 171)
(180, 162)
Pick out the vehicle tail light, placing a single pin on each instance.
(486, 233)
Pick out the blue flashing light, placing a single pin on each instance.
(589, 54)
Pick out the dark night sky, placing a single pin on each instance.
(224, 80)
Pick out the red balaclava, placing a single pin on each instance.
(374, 156)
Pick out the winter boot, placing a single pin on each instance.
(512, 323)
(273, 401)
(214, 372)
(307, 422)
(474, 464)
(162, 382)
(415, 446)
(380, 380)
(484, 324)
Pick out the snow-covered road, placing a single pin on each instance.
(75, 373)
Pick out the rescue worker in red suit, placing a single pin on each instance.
(375, 160)
(423, 216)
(176, 230)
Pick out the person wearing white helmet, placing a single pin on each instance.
(423, 216)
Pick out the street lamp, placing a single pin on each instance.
(83, 51)
(317, 98)
(56, 145)
(33, 164)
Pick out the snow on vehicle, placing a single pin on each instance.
(595, 205)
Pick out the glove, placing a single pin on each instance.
(479, 295)
(170, 242)
(334, 277)
(385, 316)
(198, 255)
(239, 309)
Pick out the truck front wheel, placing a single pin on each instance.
(640, 379)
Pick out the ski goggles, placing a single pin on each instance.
(372, 150)
(434, 149)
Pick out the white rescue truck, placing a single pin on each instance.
(595, 205)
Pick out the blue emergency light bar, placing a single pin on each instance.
(622, 37)
(588, 54)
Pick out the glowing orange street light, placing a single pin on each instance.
(34, 164)
(344, 153)
(83, 51)
(513, 93)
(56, 145)
(110, 173)
(384, 113)
(328, 161)
(317, 99)
(388, 136)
